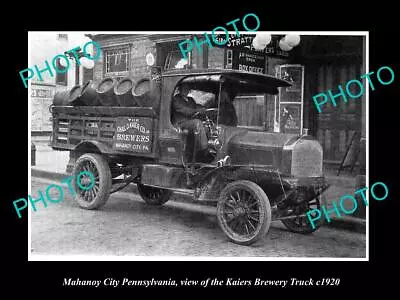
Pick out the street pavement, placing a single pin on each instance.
(128, 226)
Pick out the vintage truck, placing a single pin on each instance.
(253, 177)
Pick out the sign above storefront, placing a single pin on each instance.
(244, 42)
(249, 61)
(273, 49)
(235, 42)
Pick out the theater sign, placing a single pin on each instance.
(241, 55)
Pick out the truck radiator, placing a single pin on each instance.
(307, 156)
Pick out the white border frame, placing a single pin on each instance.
(36, 257)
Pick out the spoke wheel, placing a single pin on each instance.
(93, 195)
(153, 195)
(302, 224)
(244, 212)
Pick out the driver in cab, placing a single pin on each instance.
(183, 110)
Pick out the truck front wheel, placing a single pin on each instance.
(244, 212)
(95, 194)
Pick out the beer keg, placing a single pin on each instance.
(89, 95)
(61, 98)
(74, 96)
(123, 91)
(141, 92)
(105, 92)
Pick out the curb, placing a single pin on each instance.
(48, 174)
(346, 222)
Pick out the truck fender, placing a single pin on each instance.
(92, 146)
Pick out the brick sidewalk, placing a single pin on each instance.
(52, 164)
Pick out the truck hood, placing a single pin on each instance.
(289, 153)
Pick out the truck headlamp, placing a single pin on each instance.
(215, 143)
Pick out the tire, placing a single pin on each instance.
(153, 195)
(302, 224)
(236, 207)
(98, 195)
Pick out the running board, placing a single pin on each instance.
(179, 191)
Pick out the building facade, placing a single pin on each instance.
(317, 64)
(44, 46)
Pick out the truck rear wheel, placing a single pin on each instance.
(244, 212)
(152, 195)
(96, 196)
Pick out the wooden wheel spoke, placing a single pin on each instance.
(92, 166)
(251, 205)
(233, 198)
(254, 219)
(94, 194)
(229, 205)
(245, 196)
(86, 196)
(236, 223)
(251, 224)
(95, 190)
(239, 200)
(90, 196)
(247, 228)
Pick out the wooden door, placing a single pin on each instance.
(335, 126)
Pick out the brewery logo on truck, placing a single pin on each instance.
(133, 134)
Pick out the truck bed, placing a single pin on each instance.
(118, 130)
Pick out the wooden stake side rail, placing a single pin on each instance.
(111, 111)
(73, 125)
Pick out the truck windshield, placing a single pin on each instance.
(247, 110)
(255, 111)
(227, 112)
(251, 110)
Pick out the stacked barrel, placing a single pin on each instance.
(108, 92)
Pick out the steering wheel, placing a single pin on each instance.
(211, 113)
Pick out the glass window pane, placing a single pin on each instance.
(175, 60)
(117, 60)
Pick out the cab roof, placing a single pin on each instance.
(239, 81)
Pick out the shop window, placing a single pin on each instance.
(117, 61)
(61, 78)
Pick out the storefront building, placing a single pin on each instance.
(44, 46)
(317, 64)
